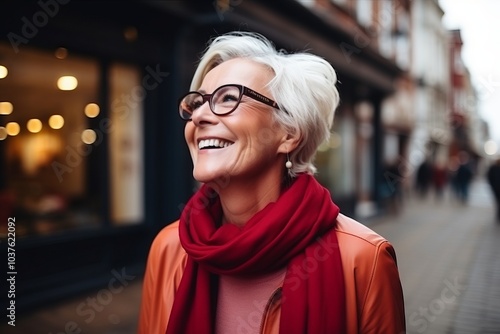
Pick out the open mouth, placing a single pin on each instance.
(213, 144)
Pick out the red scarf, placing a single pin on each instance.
(296, 231)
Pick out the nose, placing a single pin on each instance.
(203, 115)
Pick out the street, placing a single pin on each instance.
(448, 260)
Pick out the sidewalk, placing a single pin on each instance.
(449, 264)
(78, 315)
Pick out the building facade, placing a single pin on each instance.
(467, 125)
(430, 70)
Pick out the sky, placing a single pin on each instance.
(479, 22)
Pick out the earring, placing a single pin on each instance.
(288, 163)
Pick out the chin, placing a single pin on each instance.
(205, 176)
(217, 179)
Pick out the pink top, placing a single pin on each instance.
(242, 301)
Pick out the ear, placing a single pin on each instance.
(289, 143)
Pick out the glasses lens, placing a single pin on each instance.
(225, 99)
(189, 104)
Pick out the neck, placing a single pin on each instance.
(241, 199)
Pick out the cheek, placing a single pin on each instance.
(189, 133)
(265, 136)
(189, 137)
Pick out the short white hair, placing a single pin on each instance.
(304, 85)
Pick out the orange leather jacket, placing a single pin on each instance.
(374, 297)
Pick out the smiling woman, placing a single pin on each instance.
(261, 247)
(241, 121)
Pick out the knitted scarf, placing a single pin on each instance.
(296, 231)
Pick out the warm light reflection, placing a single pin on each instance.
(6, 108)
(38, 150)
(89, 136)
(130, 33)
(12, 128)
(3, 71)
(335, 140)
(67, 83)
(61, 53)
(3, 133)
(490, 147)
(332, 143)
(34, 125)
(56, 122)
(92, 110)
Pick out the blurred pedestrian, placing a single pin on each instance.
(463, 177)
(261, 247)
(493, 176)
(424, 178)
(391, 192)
(439, 179)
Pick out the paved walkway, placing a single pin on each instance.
(449, 264)
(448, 256)
(81, 315)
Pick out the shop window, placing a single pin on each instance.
(335, 158)
(126, 160)
(51, 131)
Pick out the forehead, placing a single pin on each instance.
(237, 71)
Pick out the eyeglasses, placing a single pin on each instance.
(223, 101)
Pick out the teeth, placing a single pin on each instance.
(213, 143)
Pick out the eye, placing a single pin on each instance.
(228, 97)
(193, 101)
(195, 104)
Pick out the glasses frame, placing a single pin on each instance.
(243, 91)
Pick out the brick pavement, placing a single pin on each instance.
(479, 311)
(78, 315)
(448, 261)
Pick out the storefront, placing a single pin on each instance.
(92, 158)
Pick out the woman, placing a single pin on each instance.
(261, 247)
